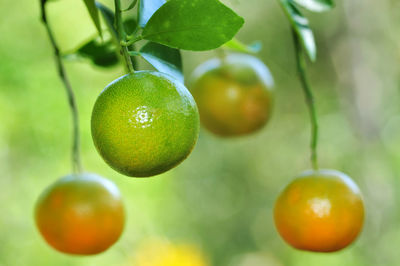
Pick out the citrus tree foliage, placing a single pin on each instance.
(300, 23)
(169, 26)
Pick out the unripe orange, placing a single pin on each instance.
(233, 94)
(145, 123)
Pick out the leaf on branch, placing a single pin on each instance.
(101, 53)
(238, 46)
(146, 10)
(130, 25)
(301, 26)
(94, 14)
(132, 5)
(164, 59)
(316, 5)
(108, 16)
(193, 24)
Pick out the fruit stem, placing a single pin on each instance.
(131, 40)
(76, 160)
(221, 53)
(122, 35)
(301, 68)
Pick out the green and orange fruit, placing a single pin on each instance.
(233, 94)
(321, 210)
(80, 214)
(145, 123)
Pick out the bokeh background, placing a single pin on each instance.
(216, 207)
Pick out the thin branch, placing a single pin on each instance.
(301, 68)
(131, 40)
(122, 34)
(76, 160)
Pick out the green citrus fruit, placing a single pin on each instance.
(233, 95)
(320, 211)
(80, 214)
(145, 123)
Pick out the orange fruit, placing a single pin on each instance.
(234, 95)
(145, 123)
(320, 211)
(80, 214)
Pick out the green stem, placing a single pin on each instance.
(76, 160)
(122, 35)
(131, 40)
(301, 68)
(221, 54)
(134, 53)
(128, 59)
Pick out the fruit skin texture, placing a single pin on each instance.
(80, 214)
(320, 211)
(145, 123)
(234, 95)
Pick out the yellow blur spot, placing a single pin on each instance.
(163, 253)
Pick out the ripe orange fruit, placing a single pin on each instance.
(320, 211)
(80, 214)
(234, 95)
(145, 123)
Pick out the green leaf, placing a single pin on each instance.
(301, 27)
(164, 59)
(130, 25)
(94, 14)
(238, 46)
(108, 16)
(193, 24)
(316, 5)
(100, 53)
(132, 5)
(146, 10)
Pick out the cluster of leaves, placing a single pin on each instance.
(300, 23)
(167, 26)
(185, 24)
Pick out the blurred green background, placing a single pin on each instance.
(218, 201)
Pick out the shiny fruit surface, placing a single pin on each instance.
(144, 123)
(80, 214)
(320, 211)
(234, 94)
